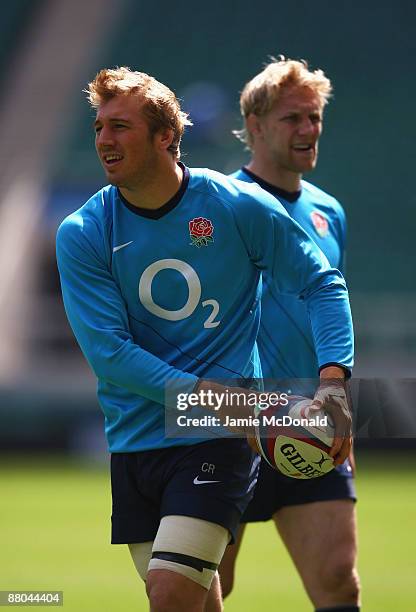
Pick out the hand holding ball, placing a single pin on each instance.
(295, 442)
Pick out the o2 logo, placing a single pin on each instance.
(194, 293)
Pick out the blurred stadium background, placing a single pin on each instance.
(49, 50)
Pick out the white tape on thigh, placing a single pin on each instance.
(197, 539)
(141, 554)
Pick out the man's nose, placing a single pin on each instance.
(307, 126)
(105, 137)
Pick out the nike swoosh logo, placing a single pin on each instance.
(121, 246)
(198, 482)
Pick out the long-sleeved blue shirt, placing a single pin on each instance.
(285, 340)
(160, 298)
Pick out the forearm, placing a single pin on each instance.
(332, 329)
(332, 371)
(125, 364)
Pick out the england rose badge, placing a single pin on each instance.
(320, 223)
(201, 231)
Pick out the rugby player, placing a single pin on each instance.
(160, 274)
(282, 109)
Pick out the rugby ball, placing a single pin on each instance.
(293, 442)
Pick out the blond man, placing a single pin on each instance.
(282, 109)
(156, 313)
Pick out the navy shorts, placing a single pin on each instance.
(275, 491)
(213, 481)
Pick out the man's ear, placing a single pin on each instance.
(253, 125)
(164, 138)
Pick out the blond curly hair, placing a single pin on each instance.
(161, 107)
(263, 91)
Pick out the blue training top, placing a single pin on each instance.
(163, 297)
(285, 340)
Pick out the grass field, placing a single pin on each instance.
(54, 534)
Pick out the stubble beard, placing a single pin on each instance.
(298, 167)
(142, 176)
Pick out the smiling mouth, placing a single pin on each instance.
(110, 159)
(304, 148)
